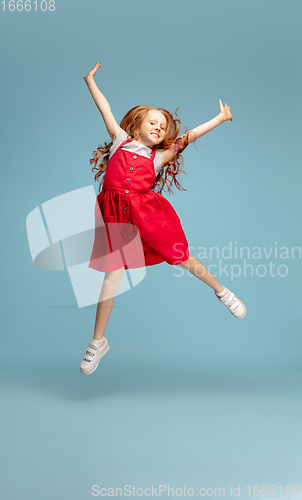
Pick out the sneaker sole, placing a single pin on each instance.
(86, 372)
(244, 310)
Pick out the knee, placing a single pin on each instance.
(112, 282)
(109, 289)
(186, 261)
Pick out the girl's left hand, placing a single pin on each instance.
(225, 111)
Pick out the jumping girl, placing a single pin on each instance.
(135, 226)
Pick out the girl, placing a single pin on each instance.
(135, 226)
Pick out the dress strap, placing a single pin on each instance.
(125, 142)
(153, 154)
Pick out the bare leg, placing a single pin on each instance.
(106, 300)
(200, 271)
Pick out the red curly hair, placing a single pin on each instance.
(131, 124)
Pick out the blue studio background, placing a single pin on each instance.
(187, 396)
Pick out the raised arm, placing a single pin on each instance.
(102, 103)
(224, 115)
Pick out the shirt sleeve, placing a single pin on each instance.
(157, 160)
(121, 137)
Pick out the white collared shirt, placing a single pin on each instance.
(138, 148)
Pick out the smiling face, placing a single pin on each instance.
(153, 129)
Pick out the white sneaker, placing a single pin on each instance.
(92, 357)
(235, 306)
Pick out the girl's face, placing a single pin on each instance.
(153, 129)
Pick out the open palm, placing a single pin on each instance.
(92, 72)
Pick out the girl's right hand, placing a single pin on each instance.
(92, 72)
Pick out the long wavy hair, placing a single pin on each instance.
(131, 124)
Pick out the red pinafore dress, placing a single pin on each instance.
(134, 226)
